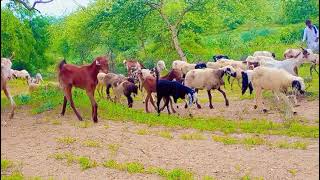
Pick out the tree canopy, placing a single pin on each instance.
(150, 30)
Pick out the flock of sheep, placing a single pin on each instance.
(258, 72)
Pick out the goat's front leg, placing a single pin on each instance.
(167, 104)
(146, 102)
(94, 105)
(197, 103)
(130, 101)
(224, 95)
(289, 105)
(68, 95)
(210, 99)
(152, 101)
(170, 101)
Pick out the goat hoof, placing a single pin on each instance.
(198, 106)
(211, 107)
(227, 103)
(185, 106)
(255, 106)
(190, 115)
(295, 113)
(264, 110)
(177, 107)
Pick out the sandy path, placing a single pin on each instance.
(30, 140)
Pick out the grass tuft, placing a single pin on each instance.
(192, 136)
(91, 143)
(66, 140)
(165, 134)
(86, 163)
(5, 164)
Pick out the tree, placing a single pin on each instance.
(174, 25)
(26, 4)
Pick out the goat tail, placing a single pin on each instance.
(63, 62)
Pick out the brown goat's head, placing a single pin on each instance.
(102, 63)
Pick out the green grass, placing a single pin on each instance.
(5, 164)
(192, 136)
(136, 167)
(13, 176)
(86, 163)
(70, 157)
(227, 140)
(113, 149)
(165, 134)
(294, 145)
(84, 124)
(142, 131)
(256, 141)
(91, 143)
(56, 122)
(293, 172)
(66, 140)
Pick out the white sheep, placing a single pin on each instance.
(5, 76)
(177, 64)
(161, 66)
(276, 80)
(264, 53)
(101, 82)
(225, 62)
(23, 74)
(208, 79)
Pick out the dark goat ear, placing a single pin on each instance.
(245, 82)
(274, 55)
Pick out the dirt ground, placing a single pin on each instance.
(31, 139)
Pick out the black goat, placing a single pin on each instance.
(217, 57)
(166, 89)
(201, 65)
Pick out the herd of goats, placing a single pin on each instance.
(258, 72)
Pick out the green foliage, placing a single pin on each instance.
(5, 164)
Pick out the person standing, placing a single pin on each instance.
(311, 35)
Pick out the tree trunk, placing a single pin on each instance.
(176, 44)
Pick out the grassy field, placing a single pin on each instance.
(49, 98)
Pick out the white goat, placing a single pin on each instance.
(23, 74)
(208, 79)
(161, 66)
(101, 83)
(264, 53)
(276, 80)
(5, 75)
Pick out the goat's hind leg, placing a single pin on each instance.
(64, 106)
(13, 105)
(94, 105)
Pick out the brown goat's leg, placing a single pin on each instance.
(93, 104)
(13, 105)
(68, 95)
(224, 95)
(64, 105)
(146, 102)
(152, 101)
(170, 101)
(210, 98)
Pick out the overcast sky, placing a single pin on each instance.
(57, 7)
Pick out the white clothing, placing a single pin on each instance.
(310, 35)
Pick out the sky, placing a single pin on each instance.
(57, 7)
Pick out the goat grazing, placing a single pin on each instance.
(83, 77)
(276, 80)
(5, 75)
(208, 79)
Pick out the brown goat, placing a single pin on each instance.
(149, 83)
(132, 65)
(83, 77)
